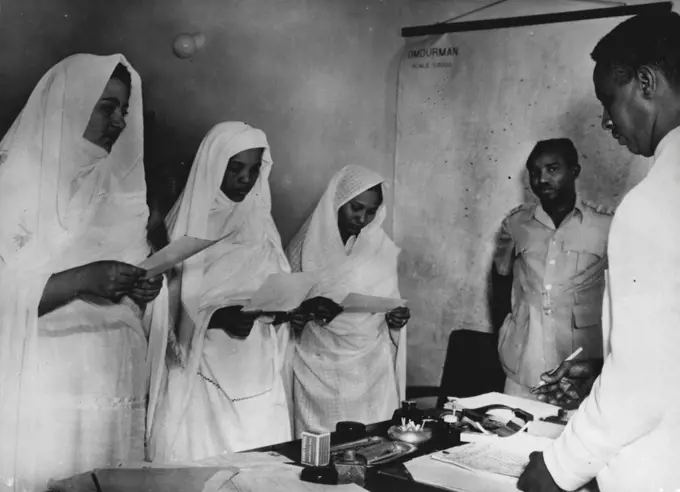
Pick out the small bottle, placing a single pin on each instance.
(351, 468)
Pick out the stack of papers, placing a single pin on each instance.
(504, 456)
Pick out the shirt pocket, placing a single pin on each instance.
(587, 246)
(587, 332)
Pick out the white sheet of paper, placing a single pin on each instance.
(504, 456)
(359, 303)
(537, 408)
(281, 292)
(426, 470)
(176, 252)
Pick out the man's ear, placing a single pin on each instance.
(648, 81)
(576, 169)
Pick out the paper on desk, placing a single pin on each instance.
(439, 474)
(506, 456)
(238, 472)
(426, 470)
(359, 303)
(177, 251)
(281, 292)
(536, 408)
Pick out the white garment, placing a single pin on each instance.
(353, 368)
(627, 431)
(74, 381)
(243, 406)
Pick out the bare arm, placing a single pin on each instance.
(501, 275)
(61, 288)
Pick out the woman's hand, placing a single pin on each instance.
(146, 290)
(108, 279)
(397, 318)
(234, 321)
(320, 308)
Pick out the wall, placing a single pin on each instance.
(319, 77)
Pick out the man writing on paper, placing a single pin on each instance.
(556, 250)
(626, 431)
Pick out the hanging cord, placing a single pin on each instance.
(473, 11)
(602, 2)
(498, 2)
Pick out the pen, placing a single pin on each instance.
(571, 357)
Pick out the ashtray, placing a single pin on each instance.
(409, 435)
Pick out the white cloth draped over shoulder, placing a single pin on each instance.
(74, 381)
(222, 393)
(353, 368)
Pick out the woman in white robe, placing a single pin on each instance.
(354, 366)
(72, 225)
(224, 391)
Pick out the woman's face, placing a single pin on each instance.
(357, 213)
(107, 121)
(241, 174)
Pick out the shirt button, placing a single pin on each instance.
(548, 287)
(551, 262)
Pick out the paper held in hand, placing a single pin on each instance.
(281, 293)
(359, 303)
(176, 252)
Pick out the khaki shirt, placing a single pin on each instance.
(557, 289)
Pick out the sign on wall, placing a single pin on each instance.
(471, 106)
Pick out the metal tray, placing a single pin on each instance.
(377, 450)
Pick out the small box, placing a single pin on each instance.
(316, 449)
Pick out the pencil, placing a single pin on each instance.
(571, 357)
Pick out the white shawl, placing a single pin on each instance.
(52, 182)
(225, 274)
(351, 342)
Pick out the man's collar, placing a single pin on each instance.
(542, 216)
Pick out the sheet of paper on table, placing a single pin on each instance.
(503, 456)
(360, 303)
(176, 252)
(281, 292)
(426, 470)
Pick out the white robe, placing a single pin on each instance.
(74, 381)
(353, 368)
(222, 394)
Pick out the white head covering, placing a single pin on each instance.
(204, 211)
(51, 182)
(318, 244)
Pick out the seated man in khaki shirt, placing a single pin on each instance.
(556, 253)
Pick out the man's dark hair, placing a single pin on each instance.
(562, 146)
(123, 74)
(646, 39)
